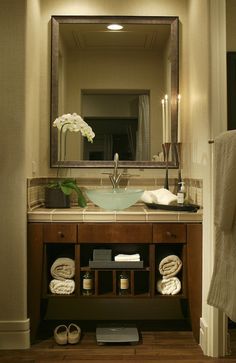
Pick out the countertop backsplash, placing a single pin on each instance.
(36, 187)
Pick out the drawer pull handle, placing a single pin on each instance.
(61, 234)
(169, 234)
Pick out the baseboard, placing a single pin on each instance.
(203, 339)
(15, 334)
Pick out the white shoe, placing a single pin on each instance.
(74, 333)
(61, 334)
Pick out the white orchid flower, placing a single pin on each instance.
(74, 123)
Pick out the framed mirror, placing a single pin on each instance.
(116, 81)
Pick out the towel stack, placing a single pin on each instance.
(169, 268)
(124, 257)
(62, 271)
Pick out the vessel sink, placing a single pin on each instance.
(114, 199)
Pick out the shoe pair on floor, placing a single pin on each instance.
(67, 335)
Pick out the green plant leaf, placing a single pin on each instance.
(66, 189)
(81, 200)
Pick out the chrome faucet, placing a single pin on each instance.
(115, 177)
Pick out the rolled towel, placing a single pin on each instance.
(65, 287)
(123, 257)
(63, 268)
(159, 196)
(170, 266)
(170, 286)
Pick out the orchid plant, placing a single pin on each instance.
(72, 123)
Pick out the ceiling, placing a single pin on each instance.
(131, 37)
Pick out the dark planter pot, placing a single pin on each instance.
(55, 198)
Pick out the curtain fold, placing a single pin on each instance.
(143, 133)
(108, 146)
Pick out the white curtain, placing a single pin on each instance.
(143, 136)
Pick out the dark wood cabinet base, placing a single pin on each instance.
(47, 241)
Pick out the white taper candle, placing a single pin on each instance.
(167, 118)
(179, 122)
(163, 121)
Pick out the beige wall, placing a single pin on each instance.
(13, 308)
(205, 118)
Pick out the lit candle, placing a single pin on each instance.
(163, 121)
(179, 125)
(167, 118)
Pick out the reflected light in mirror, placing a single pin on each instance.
(114, 27)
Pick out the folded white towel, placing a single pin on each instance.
(170, 286)
(123, 257)
(159, 196)
(147, 197)
(170, 266)
(65, 287)
(63, 268)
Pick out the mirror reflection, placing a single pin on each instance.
(115, 80)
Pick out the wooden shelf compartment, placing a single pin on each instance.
(163, 250)
(52, 251)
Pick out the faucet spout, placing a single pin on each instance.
(115, 177)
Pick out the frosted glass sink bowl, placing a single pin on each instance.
(114, 199)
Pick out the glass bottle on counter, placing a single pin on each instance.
(87, 286)
(123, 283)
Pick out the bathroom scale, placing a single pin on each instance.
(117, 333)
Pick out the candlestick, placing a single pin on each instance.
(167, 118)
(166, 150)
(178, 149)
(179, 125)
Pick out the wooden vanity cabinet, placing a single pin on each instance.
(153, 241)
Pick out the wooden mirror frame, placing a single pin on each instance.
(153, 20)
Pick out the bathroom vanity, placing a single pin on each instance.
(76, 233)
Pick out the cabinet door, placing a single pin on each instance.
(115, 233)
(60, 233)
(169, 233)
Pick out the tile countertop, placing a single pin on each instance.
(137, 213)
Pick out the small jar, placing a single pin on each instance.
(87, 288)
(123, 283)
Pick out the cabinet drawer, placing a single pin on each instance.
(115, 233)
(60, 233)
(169, 233)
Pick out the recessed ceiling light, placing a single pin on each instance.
(114, 27)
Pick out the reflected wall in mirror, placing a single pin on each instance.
(115, 80)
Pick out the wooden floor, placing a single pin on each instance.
(161, 347)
